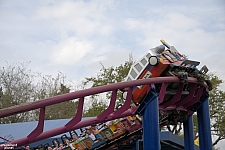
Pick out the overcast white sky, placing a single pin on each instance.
(73, 37)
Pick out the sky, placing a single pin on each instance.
(74, 36)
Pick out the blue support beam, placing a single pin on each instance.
(151, 121)
(204, 130)
(188, 134)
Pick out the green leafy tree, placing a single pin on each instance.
(111, 75)
(52, 86)
(19, 85)
(217, 109)
(106, 76)
(97, 106)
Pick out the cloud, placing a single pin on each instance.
(69, 35)
(82, 18)
(70, 51)
(184, 32)
(171, 20)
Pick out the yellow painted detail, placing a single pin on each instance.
(196, 141)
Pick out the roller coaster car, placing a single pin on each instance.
(79, 144)
(106, 133)
(131, 123)
(94, 144)
(112, 132)
(160, 62)
(117, 128)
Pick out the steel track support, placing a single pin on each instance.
(205, 139)
(189, 134)
(150, 117)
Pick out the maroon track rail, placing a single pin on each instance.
(109, 114)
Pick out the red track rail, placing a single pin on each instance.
(109, 114)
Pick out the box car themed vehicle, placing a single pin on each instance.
(162, 61)
(159, 62)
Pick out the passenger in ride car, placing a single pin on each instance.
(74, 137)
(68, 144)
(49, 148)
(94, 129)
(60, 146)
(90, 134)
(27, 147)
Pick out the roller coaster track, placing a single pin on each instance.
(194, 96)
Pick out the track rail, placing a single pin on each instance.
(109, 114)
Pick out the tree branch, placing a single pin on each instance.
(216, 141)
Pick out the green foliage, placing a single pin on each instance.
(96, 108)
(61, 110)
(217, 109)
(19, 85)
(106, 76)
(16, 88)
(53, 86)
(110, 75)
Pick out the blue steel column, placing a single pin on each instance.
(188, 134)
(151, 124)
(205, 139)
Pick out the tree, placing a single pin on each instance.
(52, 86)
(217, 109)
(19, 85)
(111, 75)
(16, 88)
(97, 106)
(106, 76)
